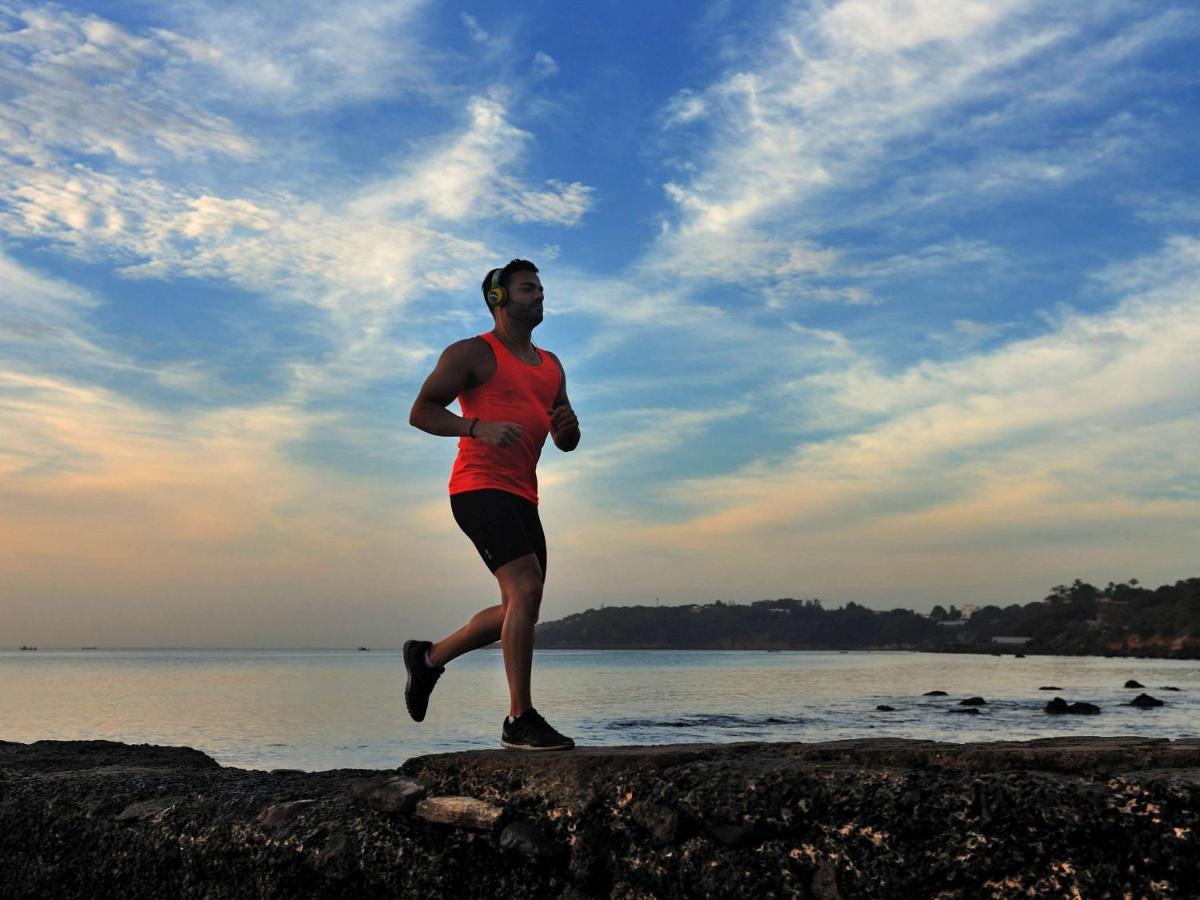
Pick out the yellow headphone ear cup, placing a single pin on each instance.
(497, 296)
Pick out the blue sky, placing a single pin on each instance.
(892, 302)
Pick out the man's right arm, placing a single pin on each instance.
(456, 370)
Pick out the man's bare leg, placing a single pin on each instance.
(511, 622)
(521, 589)
(481, 629)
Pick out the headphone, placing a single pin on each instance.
(496, 295)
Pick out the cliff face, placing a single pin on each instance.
(1097, 816)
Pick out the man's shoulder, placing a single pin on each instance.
(467, 348)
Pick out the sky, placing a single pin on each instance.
(886, 301)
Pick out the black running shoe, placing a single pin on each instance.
(421, 678)
(529, 731)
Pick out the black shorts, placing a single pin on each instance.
(502, 526)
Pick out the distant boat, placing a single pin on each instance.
(364, 649)
(23, 647)
(87, 648)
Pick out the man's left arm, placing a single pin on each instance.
(564, 426)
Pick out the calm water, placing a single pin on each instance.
(324, 709)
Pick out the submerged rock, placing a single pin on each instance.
(935, 694)
(883, 707)
(967, 710)
(1058, 707)
(1145, 701)
(1167, 687)
(1134, 684)
(973, 701)
(1050, 687)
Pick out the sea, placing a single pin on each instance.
(334, 709)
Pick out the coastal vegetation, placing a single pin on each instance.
(1123, 619)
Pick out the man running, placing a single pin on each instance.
(512, 394)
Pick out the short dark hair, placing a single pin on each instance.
(506, 274)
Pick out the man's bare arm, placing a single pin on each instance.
(457, 369)
(564, 426)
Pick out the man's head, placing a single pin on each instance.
(515, 289)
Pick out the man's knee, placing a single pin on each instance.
(521, 586)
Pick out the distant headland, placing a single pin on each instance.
(1078, 619)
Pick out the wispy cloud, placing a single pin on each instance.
(836, 109)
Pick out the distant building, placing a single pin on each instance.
(967, 609)
(1011, 640)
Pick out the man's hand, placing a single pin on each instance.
(498, 434)
(562, 417)
(564, 427)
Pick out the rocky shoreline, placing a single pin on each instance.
(1092, 817)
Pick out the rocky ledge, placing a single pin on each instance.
(1092, 817)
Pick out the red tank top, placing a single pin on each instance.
(517, 392)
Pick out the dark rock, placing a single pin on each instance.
(824, 882)
(935, 694)
(883, 707)
(856, 818)
(1167, 687)
(973, 701)
(660, 820)
(281, 813)
(1145, 701)
(1134, 684)
(730, 834)
(1018, 655)
(390, 795)
(1050, 687)
(528, 840)
(146, 809)
(966, 711)
(1058, 706)
(287, 771)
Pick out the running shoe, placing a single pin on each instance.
(421, 678)
(529, 731)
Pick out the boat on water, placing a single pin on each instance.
(23, 647)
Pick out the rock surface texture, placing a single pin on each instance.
(1089, 817)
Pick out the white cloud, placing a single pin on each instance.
(544, 65)
(477, 34)
(468, 177)
(307, 54)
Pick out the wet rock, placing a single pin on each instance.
(463, 812)
(1167, 687)
(1145, 701)
(883, 707)
(1134, 684)
(390, 795)
(1050, 687)
(966, 711)
(528, 840)
(281, 813)
(973, 701)
(1058, 707)
(934, 694)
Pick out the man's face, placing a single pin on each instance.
(525, 297)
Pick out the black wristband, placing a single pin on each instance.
(471, 430)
